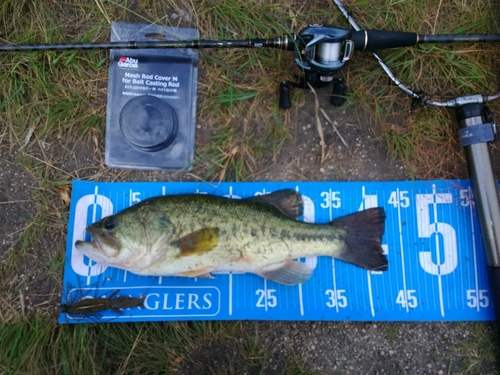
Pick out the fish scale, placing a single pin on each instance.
(232, 216)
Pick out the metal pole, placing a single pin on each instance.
(484, 189)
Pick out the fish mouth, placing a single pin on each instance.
(84, 245)
(103, 246)
(91, 249)
(94, 251)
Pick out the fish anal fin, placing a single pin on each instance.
(207, 275)
(288, 201)
(290, 272)
(198, 242)
(202, 272)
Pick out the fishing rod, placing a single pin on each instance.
(478, 130)
(317, 35)
(319, 50)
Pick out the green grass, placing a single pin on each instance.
(480, 349)
(35, 347)
(438, 71)
(392, 332)
(49, 91)
(52, 103)
(54, 92)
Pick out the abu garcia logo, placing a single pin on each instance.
(128, 62)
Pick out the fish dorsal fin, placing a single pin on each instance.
(198, 242)
(287, 201)
(290, 272)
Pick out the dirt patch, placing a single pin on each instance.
(363, 156)
(16, 205)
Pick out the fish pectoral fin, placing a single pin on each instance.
(198, 242)
(290, 272)
(288, 201)
(202, 272)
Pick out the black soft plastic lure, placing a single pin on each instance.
(88, 306)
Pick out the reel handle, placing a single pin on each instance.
(285, 101)
(337, 99)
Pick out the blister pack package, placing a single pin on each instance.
(151, 113)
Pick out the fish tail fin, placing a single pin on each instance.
(363, 236)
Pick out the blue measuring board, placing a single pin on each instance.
(437, 266)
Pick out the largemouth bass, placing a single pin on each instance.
(195, 234)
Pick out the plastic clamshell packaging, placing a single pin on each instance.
(151, 113)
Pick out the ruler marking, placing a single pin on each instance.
(372, 307)
(301, 302)
(335, 287)
(230, 294)
(473, 235)
(403, 272)
(94, 206)
(333, 259)
(265, 294)
(438, 249)
(94, 215)
(368, 276)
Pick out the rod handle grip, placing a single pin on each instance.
(371, 40)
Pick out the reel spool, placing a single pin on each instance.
(323, 49)
(320, 51)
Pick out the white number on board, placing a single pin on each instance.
(401, 199)
(135, 197)
(426, 229)
(338, 299)
(266, 299)
(475, 300)
(330, 199)
(407, 300)
(465, 197)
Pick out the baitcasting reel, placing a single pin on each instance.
(319, 51)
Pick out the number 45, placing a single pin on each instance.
(399, 198)
(407, 300)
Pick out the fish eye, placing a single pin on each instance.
(110, 223)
